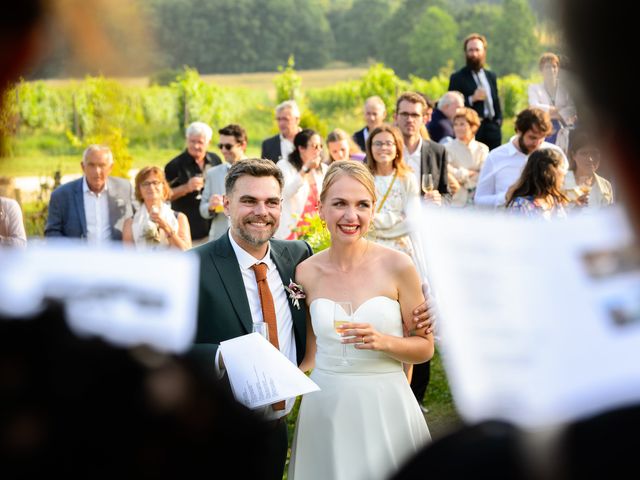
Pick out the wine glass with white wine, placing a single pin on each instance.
(342, 313)
(427, 182)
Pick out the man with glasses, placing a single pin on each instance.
(281, 145)
(233, 144)
(423, 156)
(185, 175)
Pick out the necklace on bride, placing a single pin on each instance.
(352, 265)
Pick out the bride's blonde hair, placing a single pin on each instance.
(355, 170)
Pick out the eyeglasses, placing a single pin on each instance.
(379, 144)
(152, 183)
(413, 116)
(227, 146)
(316, 147)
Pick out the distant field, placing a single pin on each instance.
(259, 80)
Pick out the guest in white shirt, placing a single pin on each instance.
(504, 164)
(93, 207)
(12, 232)
(466, 155)
(552, 97)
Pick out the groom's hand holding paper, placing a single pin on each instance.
(259, 374)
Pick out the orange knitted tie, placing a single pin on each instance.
(268, 311)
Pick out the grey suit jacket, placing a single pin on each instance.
(66, 209)
(214, 184)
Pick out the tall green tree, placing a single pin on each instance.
(478, 18)
(515, 46)
(242, 35)
(433, 42)
(359, 31)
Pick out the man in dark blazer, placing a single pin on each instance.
(375, 113)
(480, 90)
(229, 301)
(93, 207)
(281, 145)
(423, 156)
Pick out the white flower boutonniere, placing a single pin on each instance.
(296, 293)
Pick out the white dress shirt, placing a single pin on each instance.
(286, 147)
(482, 81)
(501, 169)
(414, 160)
(286, 339)
(96, 214)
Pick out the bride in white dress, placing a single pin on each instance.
(365, 422)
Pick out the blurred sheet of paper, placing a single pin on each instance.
(539, 322)
(125, 296)
(259, 374)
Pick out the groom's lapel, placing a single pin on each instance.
(226, 263)
(287, 269)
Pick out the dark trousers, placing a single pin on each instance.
(420, 380)
(489, 133)
(276, 445)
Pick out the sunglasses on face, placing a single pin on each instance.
(226, 146)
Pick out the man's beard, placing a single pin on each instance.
(259, 239)
(475, 64)
(523, 147)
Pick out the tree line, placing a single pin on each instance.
(420, 37)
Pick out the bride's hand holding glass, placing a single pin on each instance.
(364, 336)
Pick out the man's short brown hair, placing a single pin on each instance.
(532, 117)
(412, 97)
(254, 167)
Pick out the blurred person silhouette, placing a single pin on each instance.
(155, 225)
(12, 233)
(93, 207)
(552, 97)
(600, 445)
(79, 406)
(342, 147)
(584, 160)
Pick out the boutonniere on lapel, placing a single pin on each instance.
(296, 293)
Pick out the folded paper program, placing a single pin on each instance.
(125, 297)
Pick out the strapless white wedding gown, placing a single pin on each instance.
(364, 423)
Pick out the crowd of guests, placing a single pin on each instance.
(448, 156)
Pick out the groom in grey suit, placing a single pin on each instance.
(93, 207)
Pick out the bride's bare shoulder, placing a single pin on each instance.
(311, 265)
